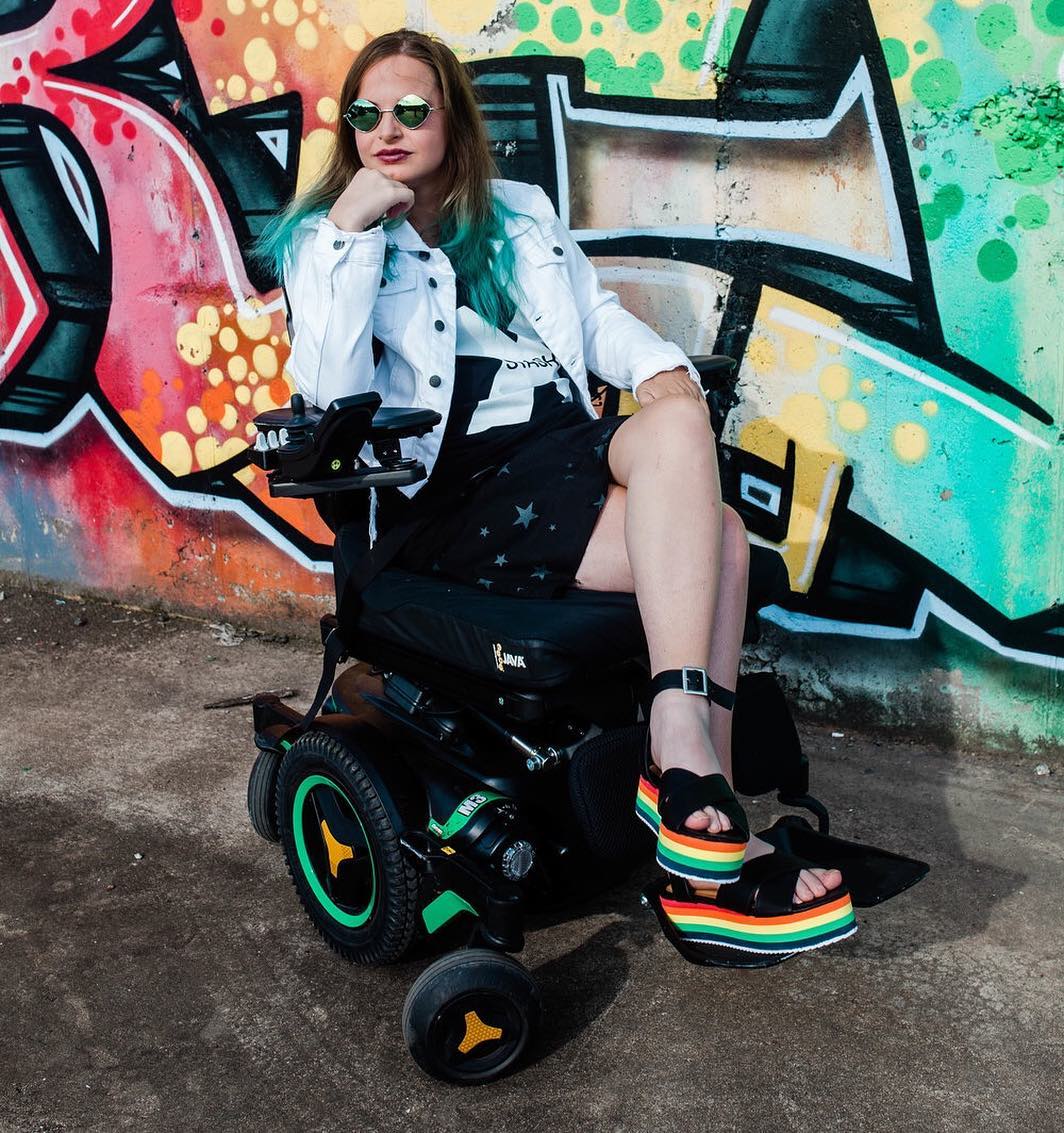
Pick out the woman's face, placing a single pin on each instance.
(413, 157)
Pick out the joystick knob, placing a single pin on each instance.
(299, 423)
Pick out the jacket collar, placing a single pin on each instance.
(405, 237)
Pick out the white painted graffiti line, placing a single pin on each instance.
(929, 604)
(858, 88)
(850, 342)
(714, 39)
(29, 313)
(827, 493)
(125, 12)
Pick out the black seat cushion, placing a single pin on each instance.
(527, 643)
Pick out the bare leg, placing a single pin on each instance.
(664, 456)
(665, 536)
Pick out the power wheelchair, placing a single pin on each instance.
(481, 759)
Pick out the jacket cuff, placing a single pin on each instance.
(650, 365)
(334, 244)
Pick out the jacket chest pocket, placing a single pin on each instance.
(549, 303)
(396, 307)
(540, 269)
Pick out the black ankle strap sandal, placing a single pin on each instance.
(754, 922)
(666, 800)
(695, 681)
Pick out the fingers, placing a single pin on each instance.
(669, 384)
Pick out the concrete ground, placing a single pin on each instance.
(157, 972)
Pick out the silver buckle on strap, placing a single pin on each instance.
(695, 681)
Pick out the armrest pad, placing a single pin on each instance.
(395, 422)
(715, 370)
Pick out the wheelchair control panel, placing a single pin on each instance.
(307, 451)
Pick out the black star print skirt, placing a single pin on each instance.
(524, 524)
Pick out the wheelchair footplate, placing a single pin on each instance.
(872, 875)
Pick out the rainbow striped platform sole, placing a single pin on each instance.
(714, 857)
(700, 921)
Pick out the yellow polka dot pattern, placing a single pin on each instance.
(910, 442)
(239, 357)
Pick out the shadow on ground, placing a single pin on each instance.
(183, 988)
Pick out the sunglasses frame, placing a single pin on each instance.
(402, 104)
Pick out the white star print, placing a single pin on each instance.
(525, 515)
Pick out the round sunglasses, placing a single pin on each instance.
(411, 111)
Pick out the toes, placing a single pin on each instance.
(709, 821)
(722, 820)
(803, 891)
(815, 883)
(698, 821)
(831, 878)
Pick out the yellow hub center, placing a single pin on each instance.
(338, 852)
(477, 1032)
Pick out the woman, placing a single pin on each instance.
(408, 270)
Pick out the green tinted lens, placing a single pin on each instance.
(411, 112)
(362, 115)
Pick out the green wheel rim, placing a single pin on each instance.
(342, 916)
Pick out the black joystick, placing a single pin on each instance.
(299, 423)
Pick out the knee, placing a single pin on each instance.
(735, 547)
(677, 419)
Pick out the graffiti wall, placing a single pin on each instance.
(860, 199)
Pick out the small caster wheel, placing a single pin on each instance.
(262, 795)
(470, 1016)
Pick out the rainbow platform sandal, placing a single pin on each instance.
(753, 922)
(665, 800)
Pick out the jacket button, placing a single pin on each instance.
(338, 244)
(435, 381)
(423, 255)
(556, 250)
(384, 283)
(432, 282)
(439, 324)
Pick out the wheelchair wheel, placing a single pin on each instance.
(262, 792)
(343, 853)
(470, 1016)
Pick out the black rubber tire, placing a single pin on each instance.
(498, 988)
(393, 923)
(262, 795)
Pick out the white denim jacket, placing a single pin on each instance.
(339, 301)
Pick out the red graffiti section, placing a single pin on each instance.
(190, 349)
(23, 305)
